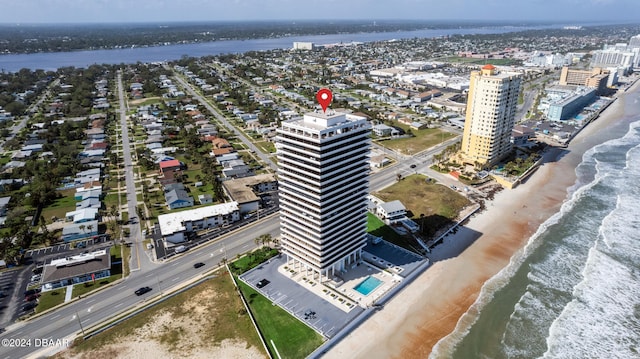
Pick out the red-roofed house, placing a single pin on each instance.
(171, 165)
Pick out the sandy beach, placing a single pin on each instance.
(429, 308)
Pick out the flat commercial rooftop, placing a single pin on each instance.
(77, 265)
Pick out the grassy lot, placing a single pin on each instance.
(84, 288)
(421, 140)
(438, 203)
(145, 101)
(61, 206)
(292, 338)
(220, 315)
(266, 146)
(112, 199)
(4, 160)
(376, 227)
(51, 299)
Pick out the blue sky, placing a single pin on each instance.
(70, 11)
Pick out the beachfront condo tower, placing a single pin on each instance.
(323, 182)
(490, 116)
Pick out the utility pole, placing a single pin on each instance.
(80, 323)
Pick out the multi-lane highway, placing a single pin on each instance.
(65, 322)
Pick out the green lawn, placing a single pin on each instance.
(51, 299)
(252, 260)
(61, 206)
(111, 199)
(292, 338)
(266, 146)
(437, 203)
(421, 140)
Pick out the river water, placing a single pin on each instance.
(55, 60)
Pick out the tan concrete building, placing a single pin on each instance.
(490, 116)
(595, 78)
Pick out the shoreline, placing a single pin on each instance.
(441, 302)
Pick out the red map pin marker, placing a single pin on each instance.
(324, 97)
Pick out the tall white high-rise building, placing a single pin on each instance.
(490, 116)
(323, 183)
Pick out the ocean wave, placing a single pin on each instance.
(447, 345)
(595, 169)
(602, 318)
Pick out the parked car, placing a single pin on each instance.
(180, 249)
(31, 292)
(32, 297)
(198, 265)
(29, 306)
(262, 283)
(143, 290)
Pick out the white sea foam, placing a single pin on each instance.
(597, 169)
(602, 319)
(446, 346)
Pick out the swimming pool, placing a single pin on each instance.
(368, 285)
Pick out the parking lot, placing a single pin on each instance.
(307, 306)
(63, 247)
(13, 283)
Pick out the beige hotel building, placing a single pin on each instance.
(490, 116)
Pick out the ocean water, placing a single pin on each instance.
(574, 291)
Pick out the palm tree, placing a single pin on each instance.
(266, 239)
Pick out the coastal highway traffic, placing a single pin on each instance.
(70, 320)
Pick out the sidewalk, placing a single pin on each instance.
(69, 293)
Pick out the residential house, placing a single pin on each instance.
(391, 212)
(75, 231)
(382, 130)
(235, 168)
(205, 198)
(169, 166)
(176, 196)
(82, 215)
(89, 203)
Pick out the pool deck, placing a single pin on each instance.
(340, 292)
(335, 302)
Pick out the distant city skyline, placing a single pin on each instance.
(106, 11)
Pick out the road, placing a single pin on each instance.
(265, 158)
(99, 307)
(422, 161)
(138, 258)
